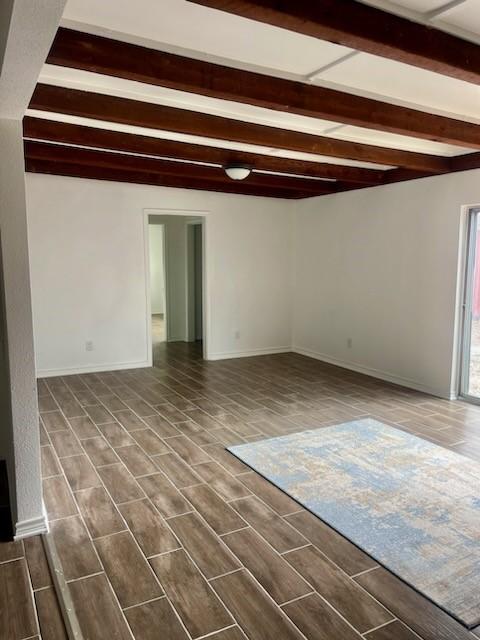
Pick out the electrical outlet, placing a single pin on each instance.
(349, 343)
(89, 345)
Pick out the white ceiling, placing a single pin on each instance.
(173, 25)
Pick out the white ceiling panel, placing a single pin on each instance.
(465, 16)
(209, 142)
(203, 31)
(389, 80)
(109, 85)
(394, 141)
(421, 6)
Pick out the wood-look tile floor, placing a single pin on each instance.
(164, 534)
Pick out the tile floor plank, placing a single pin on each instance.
(210, 555)
(354, 604)
(83, 427)
(50, 466)
(58, 499)
(269, 568)
(120, 483)
(99, 512)
(196, 603)
(226, 485)
(146, 621)
(219, 515)
(128, 571)
(74, 548)
(17, 614)
(80, 472)
(49, 615)
(148, 527)
(136, 461)
(98, 613)
(178, 471)
(271, 526)
(394, 631)
(167, 499)
(343, 552)
(416, 611)
(100, 452)
(269, 493)
(188, 450)
(115, 434)
(150, 442)
(255, 613)
(37, 562)
(318, 621)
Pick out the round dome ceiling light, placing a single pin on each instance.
(238, 171)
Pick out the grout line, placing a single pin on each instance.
(305, 595)
(139, 604)
(380, 626)
(361, 573)
(227, 573)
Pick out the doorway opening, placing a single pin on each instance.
(176, 266)
(470, 358)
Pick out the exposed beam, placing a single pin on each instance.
(132, 62)
(365, 28)
(104, 161)
(145, 114)
(54, 131)
(465, 162)
(119, 175)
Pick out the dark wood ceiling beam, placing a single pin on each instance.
(465, 162)
(132, 62)
(88, 104)
(155, 179)
(103, 160)
(51, 130)
(158, 180)
(365, 28)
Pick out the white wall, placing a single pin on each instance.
(157, 282)
(26, 35)
(380, 266)
(88, 271)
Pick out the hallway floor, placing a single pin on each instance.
(160, 528)
(158, 328)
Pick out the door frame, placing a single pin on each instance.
(203, 220)
(472, 226)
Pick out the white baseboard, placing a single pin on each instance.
(32, 527)
(227, 355)
(375, 373)
(114, 366)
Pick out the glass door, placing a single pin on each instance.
(470, 373)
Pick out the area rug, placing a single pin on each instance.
(410, 504)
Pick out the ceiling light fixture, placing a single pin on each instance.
(238, 171)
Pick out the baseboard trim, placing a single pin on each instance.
(50, 373)
(227, 355)
(373, 373)
(31, 527)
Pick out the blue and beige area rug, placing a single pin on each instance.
(412, 505)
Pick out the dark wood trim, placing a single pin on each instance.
(103, 161)
(51, 130)
(465, 162)
(112, 57)
(365, 28)
(119, 175)
(145, 114)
